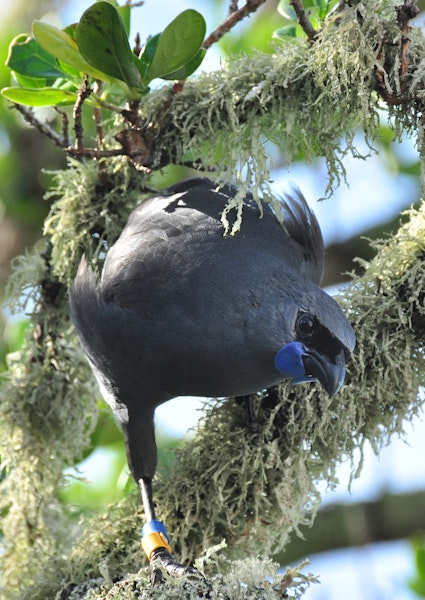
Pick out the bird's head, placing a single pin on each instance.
(322, 340)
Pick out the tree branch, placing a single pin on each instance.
(43, 128)
(232, 20)
(83, 93)
(357, 524)
(303, 19)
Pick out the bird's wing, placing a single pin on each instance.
(298, 220)
(169, 236)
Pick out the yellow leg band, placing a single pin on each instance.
(153, 541)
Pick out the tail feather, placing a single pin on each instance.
(97, 322)
(84, 300)
(302, 226)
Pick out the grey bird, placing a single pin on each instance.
(182, 309)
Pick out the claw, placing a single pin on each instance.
(163, 562)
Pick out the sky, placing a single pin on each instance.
(373, 195)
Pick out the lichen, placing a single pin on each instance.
(308, 100)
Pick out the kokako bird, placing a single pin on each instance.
(183, 310)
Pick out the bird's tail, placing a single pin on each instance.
(302, 226)
(83, 298)
(89, 311)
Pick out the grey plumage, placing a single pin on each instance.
(182, 309)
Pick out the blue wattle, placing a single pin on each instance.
(288, 361)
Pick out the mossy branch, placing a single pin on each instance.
(304, 97)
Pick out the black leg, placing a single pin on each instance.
(145, 486)
(249, 402)
(155, 541)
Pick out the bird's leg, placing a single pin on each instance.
(145, 486)
(156, 543)
(252, 420)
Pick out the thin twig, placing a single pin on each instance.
(303, 19)
(65, 125)
(405, 13)
(97, 116)
(94, 152)
(83, 93)
(43, 128)
(234, 18)
(137, 45)
(233, 6)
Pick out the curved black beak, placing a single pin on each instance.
(329, 373)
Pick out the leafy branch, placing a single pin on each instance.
(235, 15)
(91, 63)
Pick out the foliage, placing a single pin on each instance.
(50, 66)
(309, 98)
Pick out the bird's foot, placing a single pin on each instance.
(165, 565)
(156, 544)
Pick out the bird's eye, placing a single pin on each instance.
(306, 325)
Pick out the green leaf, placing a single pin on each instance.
(189, 67)
(287, 31)
(314, 18)
(143, 63)
(125, 12)
(420, 560)
(178, 44)
(102, 40)
(28, 58)
(39, 97)
(63, 47)
(286, 10)
(322, 5)
(29, 82)
(70, 30)
(325, 7)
